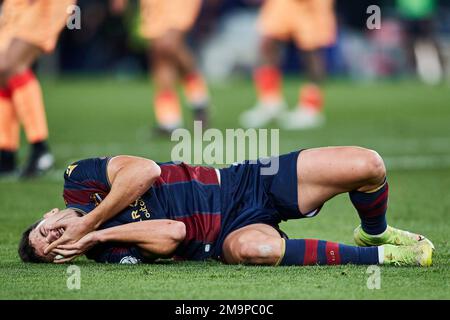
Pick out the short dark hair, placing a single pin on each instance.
(26, 250)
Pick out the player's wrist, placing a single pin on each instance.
(90, 223)
(97, 237)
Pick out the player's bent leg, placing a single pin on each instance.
(325, 172)
(254, 244)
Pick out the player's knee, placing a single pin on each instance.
(248, 252)
(370, 166)
(166, 48)
(375, 166)
(269, 50)
(256, 248)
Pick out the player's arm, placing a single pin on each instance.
(130, 177)
(154, 238)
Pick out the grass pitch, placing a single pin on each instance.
(409, 124)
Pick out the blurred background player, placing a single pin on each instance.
(165, 24)
(422, 47)
(311, 24)
(27, 30)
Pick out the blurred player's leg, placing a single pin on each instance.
(275, 24)
(313, 30)
(262, 245)
(268, 83)
(165, 74)
(421, 45)
(196, 92)
(9, 134)
(309, 109)
(28, 29)
(166, 23)
(26, 96)
(194, 84)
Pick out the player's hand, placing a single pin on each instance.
(55, 215)
(75, 228)
(68, 252)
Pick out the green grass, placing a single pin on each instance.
(409, 124)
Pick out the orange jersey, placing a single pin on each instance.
(310, 23)
(38, 22)
(161, 16)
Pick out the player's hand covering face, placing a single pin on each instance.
(44, 234)
(68, 252)
(74, 229)
(41, 236)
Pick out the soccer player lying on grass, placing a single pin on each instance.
(126, 209)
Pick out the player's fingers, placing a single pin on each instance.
(60, 224)
(69, 246)
(54, 244)
(65, 253)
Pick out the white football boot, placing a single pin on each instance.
(302, 118)
(262, 114)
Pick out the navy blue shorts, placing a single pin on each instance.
(250, 194)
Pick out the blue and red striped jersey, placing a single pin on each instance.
(190, 194)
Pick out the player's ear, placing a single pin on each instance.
(51, 213)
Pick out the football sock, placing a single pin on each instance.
(196, 91)
(310, 96)
(319, 252)
(8, 161)
(9, 124)
(167, 109)
(372, 207)
(39, 147)
(268, 84)
(29, 105)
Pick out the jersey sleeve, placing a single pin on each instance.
(116, 253)
(86, 184)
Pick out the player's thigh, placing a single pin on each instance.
(253, 244)
(323, 173)
(19, 56)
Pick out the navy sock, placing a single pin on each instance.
(310, 252)
(372, 207)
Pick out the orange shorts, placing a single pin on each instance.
(310, 23)
(160, 16)
(38, 22)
